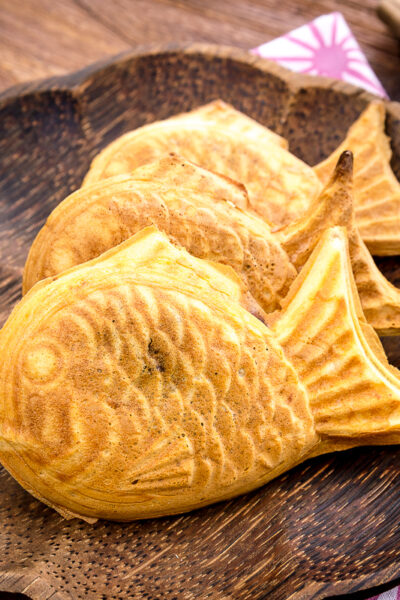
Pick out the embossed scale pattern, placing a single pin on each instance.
(135, 400)
(95, 219)
(203, 219)
(217, 114)
(280, 186)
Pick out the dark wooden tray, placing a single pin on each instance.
(328, 527)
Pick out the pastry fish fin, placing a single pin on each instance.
(379, 298)
(376, 188)
(165, 465)
(354, 393)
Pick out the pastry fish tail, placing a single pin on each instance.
(333, 207)
(354, 393)
(380, 299)
(377, 190)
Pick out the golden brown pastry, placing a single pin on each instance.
(376, 188)
(196, 209)
(138, 385)
(354, 392)
(280, 186)
(221, 139)
(380, 299)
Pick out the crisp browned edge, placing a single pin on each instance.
(76, 82)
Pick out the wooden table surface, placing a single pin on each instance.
(40, 38)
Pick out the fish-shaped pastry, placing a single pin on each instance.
(139, 384)
(281, 187)
(221, 139)
(376, 188)
(197, 209)
(204, 212)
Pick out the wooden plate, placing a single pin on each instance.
(328, 527)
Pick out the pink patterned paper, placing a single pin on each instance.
(393, 594)
(325, 46)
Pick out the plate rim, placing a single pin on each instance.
(77, 80)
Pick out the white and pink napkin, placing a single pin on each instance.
(327, 47)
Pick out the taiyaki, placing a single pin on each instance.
(196, 208)
(203, 212)
(138, 384)
(376, 188)
(221, 139)
(281, 187)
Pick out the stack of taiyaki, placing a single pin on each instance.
(201, 316)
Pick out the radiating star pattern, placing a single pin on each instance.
(326, 47)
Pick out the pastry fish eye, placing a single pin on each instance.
(42, 362)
